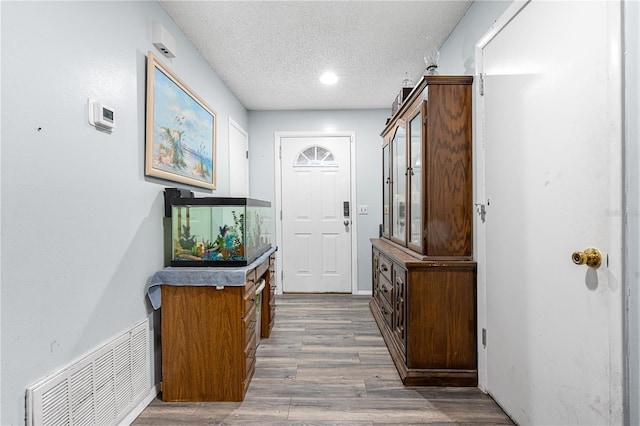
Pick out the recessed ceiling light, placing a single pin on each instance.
(328, 78)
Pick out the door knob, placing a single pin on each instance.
(590, 256)
(346, 223)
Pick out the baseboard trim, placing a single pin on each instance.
(133, 414)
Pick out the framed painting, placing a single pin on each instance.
(180, 130)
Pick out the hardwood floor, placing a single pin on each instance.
(326, 364)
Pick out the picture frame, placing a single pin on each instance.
(180, 141)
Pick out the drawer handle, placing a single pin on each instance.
(383, 268)
(384, 310)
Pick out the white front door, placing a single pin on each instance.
(552, 161)
(316, 229)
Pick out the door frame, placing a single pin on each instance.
(278, 136)
(617, 227)
(243, 132)
(479, 185)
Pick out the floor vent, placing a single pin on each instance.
(99, 389)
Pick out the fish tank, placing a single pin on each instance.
(218, 231)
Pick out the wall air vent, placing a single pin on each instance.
(99, 389)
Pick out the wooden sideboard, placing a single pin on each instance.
(426, 312)
(209, 336)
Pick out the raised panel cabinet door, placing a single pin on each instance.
(400, 307)
(443, 319)
(375, 274)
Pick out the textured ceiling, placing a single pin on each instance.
(272, 53)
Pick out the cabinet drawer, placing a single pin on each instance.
(272, 281)
(249, 299)
(386, 311)
(385, 290)
(250, 322)
(250, 370)
(250, 352)
(251, 367)
(385, 267)
(272, 298)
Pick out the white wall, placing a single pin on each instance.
(457, 55)
(82, 228)
(366, 123)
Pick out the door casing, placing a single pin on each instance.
(238, 160)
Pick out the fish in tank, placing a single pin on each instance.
(213, 231)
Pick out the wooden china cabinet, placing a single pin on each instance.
(424, 276)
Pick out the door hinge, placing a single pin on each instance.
(247, 154)
(482, 210)
(484, 337)
(280, 214)
(481, 82)
(280, 152)
(424, 122)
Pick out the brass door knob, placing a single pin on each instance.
(591, 257)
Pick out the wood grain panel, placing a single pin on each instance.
(449, 209)
(442, 303)
(194, 322)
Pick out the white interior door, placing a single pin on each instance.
(552, 161)
(238, 160)
(316, 230)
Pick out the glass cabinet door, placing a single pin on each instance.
(399, 185)
(415, 181)
(385, 190)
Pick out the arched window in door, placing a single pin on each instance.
(315, 156)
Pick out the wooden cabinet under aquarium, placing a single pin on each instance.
(210, 335)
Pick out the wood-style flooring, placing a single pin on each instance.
(326, 364)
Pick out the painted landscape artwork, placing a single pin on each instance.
(180, 132)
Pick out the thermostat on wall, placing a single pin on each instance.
(101, 116)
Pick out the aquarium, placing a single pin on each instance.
(219, 231)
